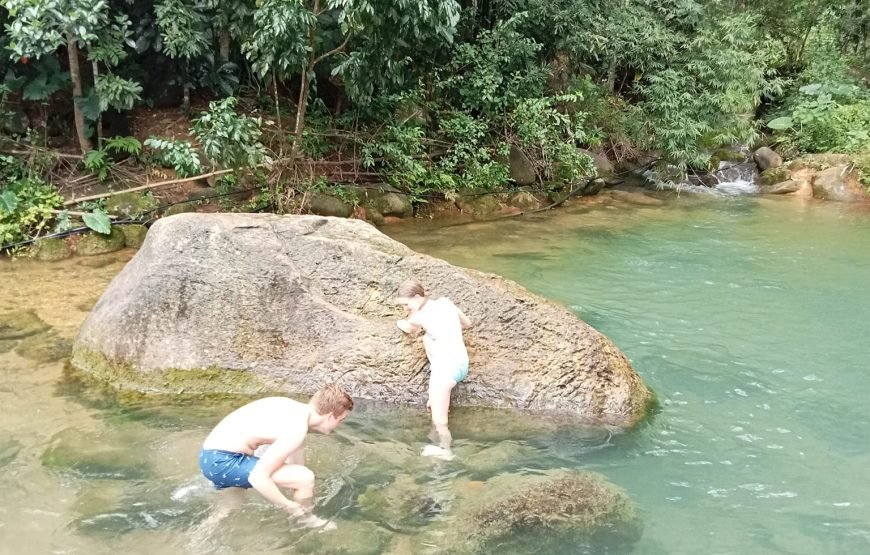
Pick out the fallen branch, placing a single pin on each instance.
(80, 214)
(73, 202)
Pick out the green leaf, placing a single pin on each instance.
(98, 221)
(784, 122)
(8, 201)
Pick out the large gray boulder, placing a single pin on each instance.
(256, 303)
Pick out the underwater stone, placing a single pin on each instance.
(542, 513)
(351, 538)
(20, 323)
(46, 347)
(76, 452)
(9, 449)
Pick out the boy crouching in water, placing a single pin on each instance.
(227, 456)
(442, 322)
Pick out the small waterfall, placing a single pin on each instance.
(736, 178)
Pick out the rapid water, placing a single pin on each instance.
(748, 317)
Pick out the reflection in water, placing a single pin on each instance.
(747, 316)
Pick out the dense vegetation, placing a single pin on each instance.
(426, 95)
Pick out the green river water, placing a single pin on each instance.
(747, 316)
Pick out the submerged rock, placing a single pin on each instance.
(351, 538)
(46, 347)
(542, 514)
(495, 459)
(19, 324)
(79, 453)
(9, 449)
(246, 303)
(402, 503)
(7, 345)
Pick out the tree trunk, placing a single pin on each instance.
(99, 123)
(75, 73)
(278, 114)
(224, 40)
(300, 115)
(303, 90)
(611, 75)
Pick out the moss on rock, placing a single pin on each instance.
(773, 176)
(97, 243)
(131, 205)
(546, 512)
(49, 250)
(134, 235)
(194, 381)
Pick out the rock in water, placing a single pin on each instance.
(235, 303)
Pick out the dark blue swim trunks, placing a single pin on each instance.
(226, 469)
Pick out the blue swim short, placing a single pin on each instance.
(458, 371)
(226, 469)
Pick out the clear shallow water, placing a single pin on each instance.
(747, 316)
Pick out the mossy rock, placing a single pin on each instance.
(725, 155)
(49, 250)
(522, 170)
(44, 347)
(180, 208)
(524, 200)
(478, 203)
(328, 205)
(389, 204)
(402, 504)
(97, 243)
(542, 514)
(131, 205)
(134, 235)
(351, 538)
(76, 452)
(772, 176)
(20, 323)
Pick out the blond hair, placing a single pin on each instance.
(410, 289)
(332, 399)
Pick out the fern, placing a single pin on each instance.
(125, 145)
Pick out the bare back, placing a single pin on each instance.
(260, 422)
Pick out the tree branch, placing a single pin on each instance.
(337, 49)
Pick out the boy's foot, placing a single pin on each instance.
(313, 521)
(438, 453)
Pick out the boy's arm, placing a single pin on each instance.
(273, 459)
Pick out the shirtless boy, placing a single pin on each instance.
(442, 322)
(227, 456)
